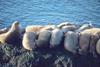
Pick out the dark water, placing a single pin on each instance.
(30, 12)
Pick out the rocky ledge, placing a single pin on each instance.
(11, 56)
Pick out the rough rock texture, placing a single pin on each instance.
(12, 56)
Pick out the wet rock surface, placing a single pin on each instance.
(12, 56)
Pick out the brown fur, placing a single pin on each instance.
(4, 30)
(12, 36)
(28, 41)
(84, 40)
(34, 28)
(70, 27)
(98, 47)
(94, 34)
(93, 41)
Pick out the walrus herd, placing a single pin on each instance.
(82, 40)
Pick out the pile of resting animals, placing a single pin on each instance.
(76, 39)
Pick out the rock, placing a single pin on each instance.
(6, 53)
(29, 40)
(11, 56)
(13, 35)
(63, 61)
(71, 42)
(56, 37)
(30, 59)
(43, 40)
(14, 61)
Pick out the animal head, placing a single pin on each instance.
(16, 23)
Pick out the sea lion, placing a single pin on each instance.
(64, 24)
(28, 41)
(84, 27)
(92, 31)
(13, 35)
(95, 35)
(56, 37)
(49, 27)
(34, 28)
(43, 40)
(37, 28)
(98, 47)
(84, 40)
(68, 28)
(92, 47)
(71, 42)
(4, 30)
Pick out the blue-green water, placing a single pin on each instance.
(29, 12)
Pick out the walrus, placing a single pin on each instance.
(98, 47)
(84, 27)
(56, 37)
(43, 40)
(28, 41)
(12, 36)
(64, 24)
(84, 41)
(71, 42)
